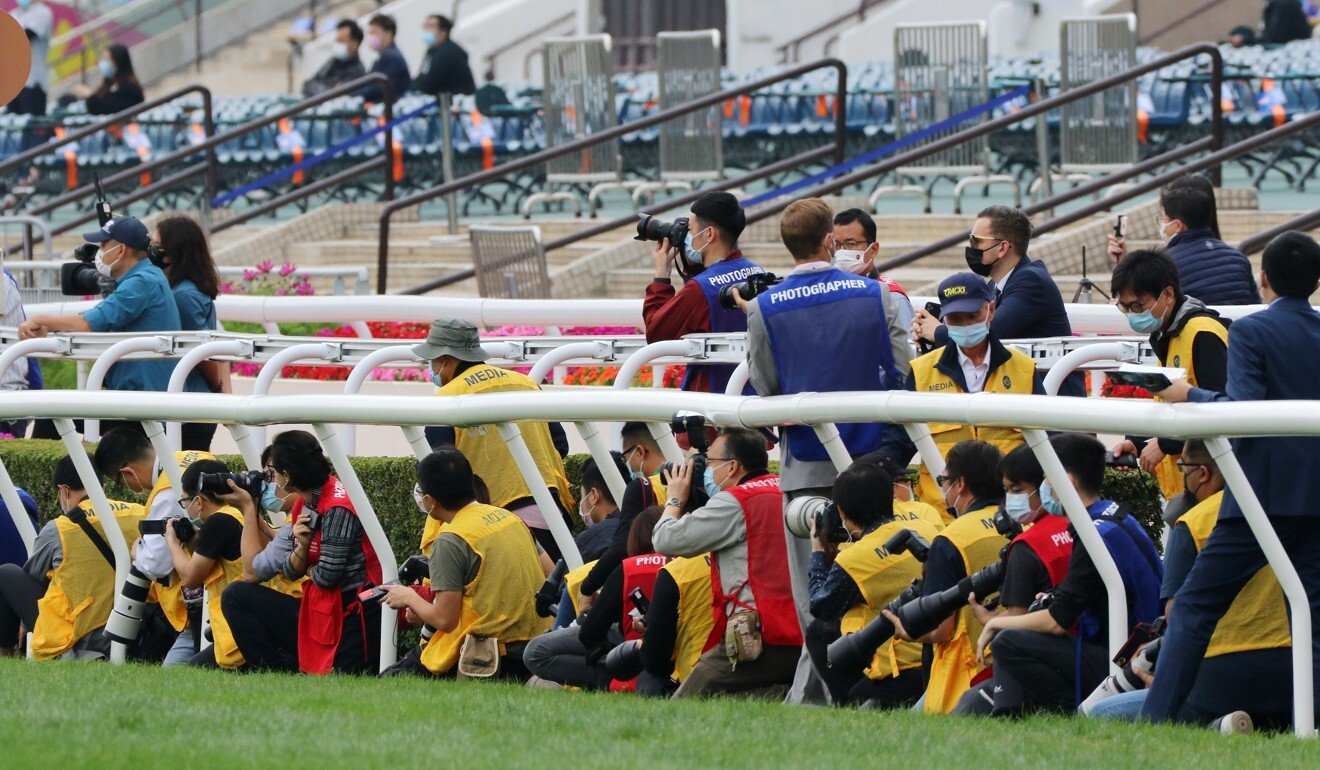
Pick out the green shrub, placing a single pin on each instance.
(1141, 492)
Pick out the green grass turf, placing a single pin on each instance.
(69, 714)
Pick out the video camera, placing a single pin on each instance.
(748, 289)
(80, 278)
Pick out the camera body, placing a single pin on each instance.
(547, 597)
(907, 541)
(802, 511)
(748, 289)
(1134, 658)
(651, 228)
(252, 482)
(693, 426)
(1005, 525)
(414, 569)
(183, 527)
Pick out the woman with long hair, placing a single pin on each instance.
(183, 254)
(119, 87)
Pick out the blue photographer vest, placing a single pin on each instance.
(828, 333)
(1137, 561)
(711, 280)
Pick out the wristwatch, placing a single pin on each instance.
(665, 281)
(675, 502)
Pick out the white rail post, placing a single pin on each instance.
(245, 441)
(1086, 530)
(164, 454)
(600, 452)
(929, 452)
(111, 356)
(1298, 604)
(828, 433)
(628, 372)
(738, 380)
(416, 436)
(1101, 351)
(101, 505)
(359, 375)
(554, 518)
(9, 493)
(190, 360)
(389, 566)
(324, 351)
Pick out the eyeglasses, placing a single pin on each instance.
(271, 472)
(942, 480)
(973, 240)
(184, 502)
(1136, 306)
(1182, 466)
(853, 244)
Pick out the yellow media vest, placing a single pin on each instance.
(488, 453)
(1180, 357)
(573, 582)
(1016, 375)
(881, 576)
(915, 510)
(82, 588)
(955, 664)
(171, 596)
(499, 601)
(430, 531)
(224, 572)
(696, 616)
(1258, 618)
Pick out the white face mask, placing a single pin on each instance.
(418, 498)
(850, 261)
(101, 266)
(1165, 236)
(339, 51)
(584, 512)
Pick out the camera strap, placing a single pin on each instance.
(79, 516)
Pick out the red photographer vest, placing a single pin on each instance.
(638, 572)
(767, 567)
(1052, 543)
(322, 613)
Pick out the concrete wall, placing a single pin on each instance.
(1212, 24)
(757, 27)
(162, 54)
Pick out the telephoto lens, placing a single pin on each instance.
(651, 228)
(927, 613)
(125, 621)
(625, 661)
(800, 512)
(1126, 680)
(547, 597)
(854, 651)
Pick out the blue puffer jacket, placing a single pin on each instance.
(1212, 271)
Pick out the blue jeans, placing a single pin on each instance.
(182, 650)
(1125, 707)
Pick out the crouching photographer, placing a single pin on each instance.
(331, 629)
(849, 585)
(1039, 663)
(485, 570)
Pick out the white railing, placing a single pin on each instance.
(1085, 319)
(46, 274)
(1035, 414)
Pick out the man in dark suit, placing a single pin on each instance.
(1271, 357)
(1027, 301)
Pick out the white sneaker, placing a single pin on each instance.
(537, 683)
(1238, 722)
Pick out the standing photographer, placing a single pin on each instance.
(821, 330)
(708, 260)
(742, 527)
(186, 260)
(140, 302)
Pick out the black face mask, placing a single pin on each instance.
(974, 262)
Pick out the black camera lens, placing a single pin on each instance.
(625, 661)
(651, 228)
(748, 290)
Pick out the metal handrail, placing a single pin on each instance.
(210, 165)
(788, 52)
(1039, 109)
(1304, 223)
(578, 145)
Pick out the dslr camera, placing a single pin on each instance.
(547, 597)
(651, 228)
(184, 529)
(694, 427)
(748, 289)
(802, 511)
(252, 482)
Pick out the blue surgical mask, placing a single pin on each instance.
(1018, 505)
(428, 38)
(693, 255)
(107, 69)
(435, 378)
(269, 500)
(1144, 322)
(708, 481)
(1047, 501)
(968, 336)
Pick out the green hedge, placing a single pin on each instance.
(389, 482)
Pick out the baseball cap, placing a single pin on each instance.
(126, 230)
(963, 293)
(455, 337)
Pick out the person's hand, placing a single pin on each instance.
(411, 618)
(1150, 456)
(399, 597)
(663, 257)
(171, 537)
(639, 625)
(1125, 447)
(924, 325)
(818, 542)
(988, 635)
(899, 631)
(678, 481)
(585, 601)
(739, 301)
(31, 329)
(983, 615)
(1117, 247)
(1176, 393)
(302, 531)
(238, 498)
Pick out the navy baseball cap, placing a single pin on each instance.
(125, 230)
(963, 293)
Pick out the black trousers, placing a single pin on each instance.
(892, 692)
(511, 665)
(838, 681)
(852, 686)
(19, 593)
(1037, 671)
(264, 623)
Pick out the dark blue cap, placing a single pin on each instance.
(125, 230)
(963, 293)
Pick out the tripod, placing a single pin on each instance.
(1086, 286)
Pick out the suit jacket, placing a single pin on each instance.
(1271, 357)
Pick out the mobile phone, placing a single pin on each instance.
(1120, 226)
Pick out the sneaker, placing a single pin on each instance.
(1238, 722)
(537, 683)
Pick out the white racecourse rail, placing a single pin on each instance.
(1085, 319)
(1035, 414)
